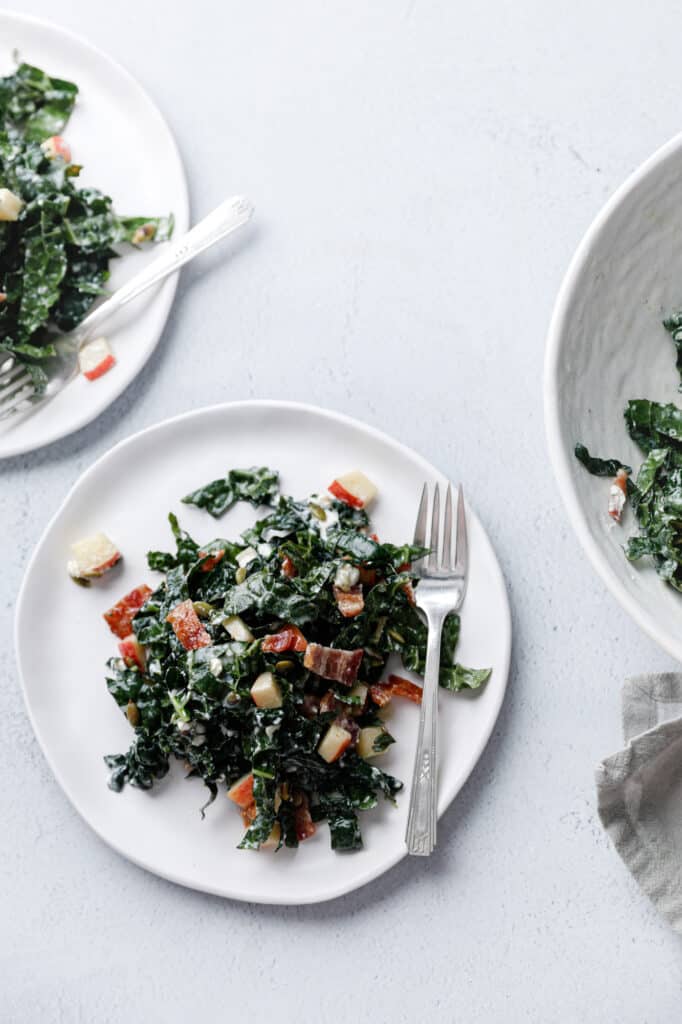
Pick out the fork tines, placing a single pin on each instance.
(439, 561)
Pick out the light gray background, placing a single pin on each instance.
(423, 171)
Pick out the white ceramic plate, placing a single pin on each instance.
(128, 152)
(62, 643)
(606, 345)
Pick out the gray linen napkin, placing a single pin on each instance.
(639, 790)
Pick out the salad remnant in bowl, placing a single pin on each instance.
(56, 239)
(655, 494)
(263, 663)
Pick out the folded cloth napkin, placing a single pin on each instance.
(639, 790)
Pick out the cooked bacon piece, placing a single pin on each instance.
(349, 602)
(404, 688)
(187, 627)
(339, 491)
(618, 494)
(374, 537)
(305, 826)
(408, 590)
(368, 577)
(381, 693)
(212, 559)
(120, 617)
(330, 663)
(288, 568)
(290, 638)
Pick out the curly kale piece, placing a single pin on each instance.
(259, 486)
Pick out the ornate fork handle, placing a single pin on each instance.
(421, 823)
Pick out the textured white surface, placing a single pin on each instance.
(423, 172)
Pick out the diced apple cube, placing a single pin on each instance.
(358, 697)
(11, 205)
(132, 652)
(241, 792)
(120, 617)
(56, 146)
(354, 488)
(245, 557)
(92, 556)
(238, 629)
(333, 743)
(367, 741)
(95, 358)
(266, 692)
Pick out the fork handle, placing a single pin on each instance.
(422, 818)
(230, 215)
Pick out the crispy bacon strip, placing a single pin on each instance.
(290, 638)
(120, 617)
(382, 693)
(304, 824)
(368, 577)
(212, 559)
(330, 663)
(187, 627)
(349, 602)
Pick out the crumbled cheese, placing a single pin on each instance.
(215, 667)
(183, 727)
(347, 576)
(265, 550)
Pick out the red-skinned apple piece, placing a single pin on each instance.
(120, 617)
(132, 652)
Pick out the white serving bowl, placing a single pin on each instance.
(607, 345)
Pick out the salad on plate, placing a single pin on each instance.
(56, 238)
(264, 663)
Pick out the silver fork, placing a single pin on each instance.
(17, 393)
(440, 591)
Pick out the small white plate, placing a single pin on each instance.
(127, 152)
(62, 643)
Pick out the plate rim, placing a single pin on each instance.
(559, 456)
(344, 421)
(163, 294)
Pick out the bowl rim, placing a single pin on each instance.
(560, 456)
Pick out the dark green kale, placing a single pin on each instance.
(54, 259)
(196, 705)
(257, 486)
(656, 493)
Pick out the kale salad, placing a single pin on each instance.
(262, 663)
(56, 239)
(655, 493)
